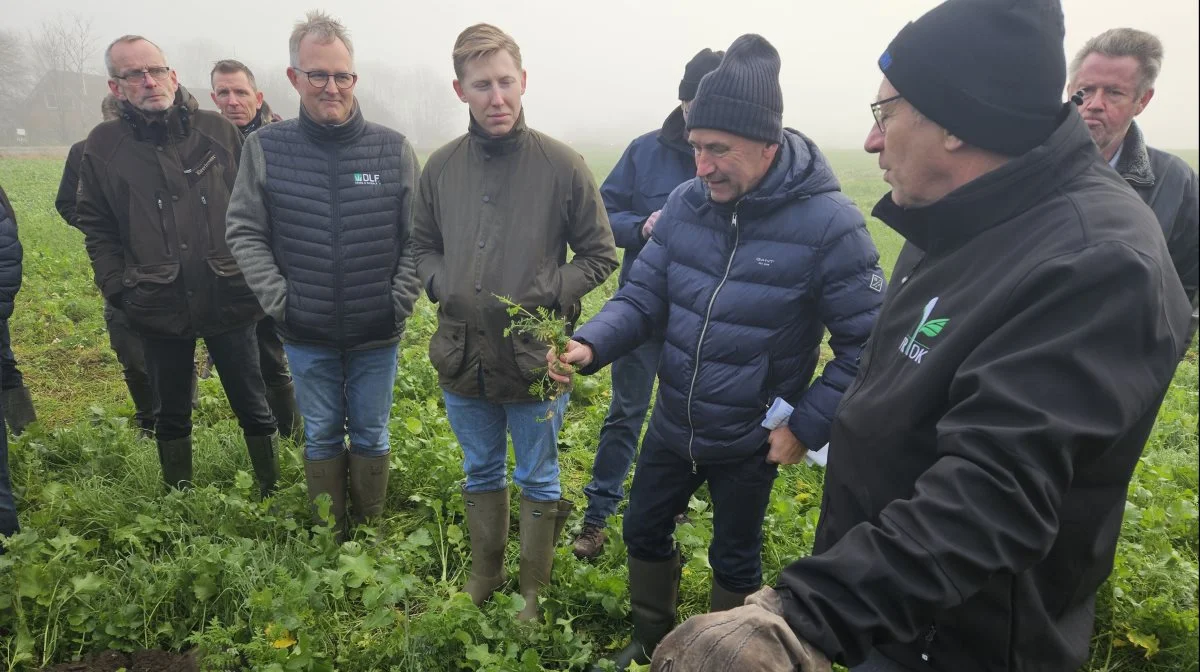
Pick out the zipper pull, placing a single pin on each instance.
(203, 199)
(928, 642)
(693, 467)
(160, 204)
(734, 221)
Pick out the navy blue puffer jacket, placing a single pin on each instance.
(10, 257)
(649, 170)
(744, 292)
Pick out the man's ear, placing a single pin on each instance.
(770, 150)
(951, 142)
(294, 78)
(258, 98)
(1143, 101)
(458, 90)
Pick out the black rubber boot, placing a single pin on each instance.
(539, 521)
(18, 409)
(565, 507)
(653, 592)
(368, 485)
(175, 456)
(328, 476)
(265, 459)
(724, 600)
(487, 525)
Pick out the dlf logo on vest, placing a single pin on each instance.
(366, 178)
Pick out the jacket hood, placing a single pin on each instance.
(175, 121)
(997, 196)
(1134, 164)
(673, 134)
(800, 171)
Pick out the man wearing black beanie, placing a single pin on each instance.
(634, 193)
(746, 268)
(979, 462)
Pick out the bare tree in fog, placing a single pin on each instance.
(15, 73)
(66, 44)
(64, 52)
(415, 102)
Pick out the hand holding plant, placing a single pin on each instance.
(547, 328)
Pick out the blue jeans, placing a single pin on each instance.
(632, 383)
(342, 392)
(8, 506)
(481, 426)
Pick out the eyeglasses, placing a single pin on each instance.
(318, 79)
(157, 73)
(877, 111)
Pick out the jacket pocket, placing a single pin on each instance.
(529, 354)
(151, 298)
(231, 282)
(448, 346)
(234, 302)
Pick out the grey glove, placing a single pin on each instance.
(751, 637)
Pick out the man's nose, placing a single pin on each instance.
(874, 142)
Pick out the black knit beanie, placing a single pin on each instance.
(742, 96)
(991, 72)
(701, 64)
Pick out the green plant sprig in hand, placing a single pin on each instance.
(547, 328)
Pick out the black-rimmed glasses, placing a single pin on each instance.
(877, 111)
(158, 73)
(319, 79)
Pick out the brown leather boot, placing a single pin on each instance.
(590, 542)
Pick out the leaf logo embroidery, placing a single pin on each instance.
(926, 327)
(934, 327)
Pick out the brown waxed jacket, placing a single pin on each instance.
(494, 217)
(152, 201)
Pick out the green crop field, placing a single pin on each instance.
(107, 561)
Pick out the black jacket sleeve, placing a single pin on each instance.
(10, 257)
(68, 187)
(1030, 405)
(1184, 245)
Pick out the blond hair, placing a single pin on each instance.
(321, 27)
(482, 40)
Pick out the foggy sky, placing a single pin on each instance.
(604, 72)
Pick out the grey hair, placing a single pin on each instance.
(125, 39)
(1119, 42)
(323, 28)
